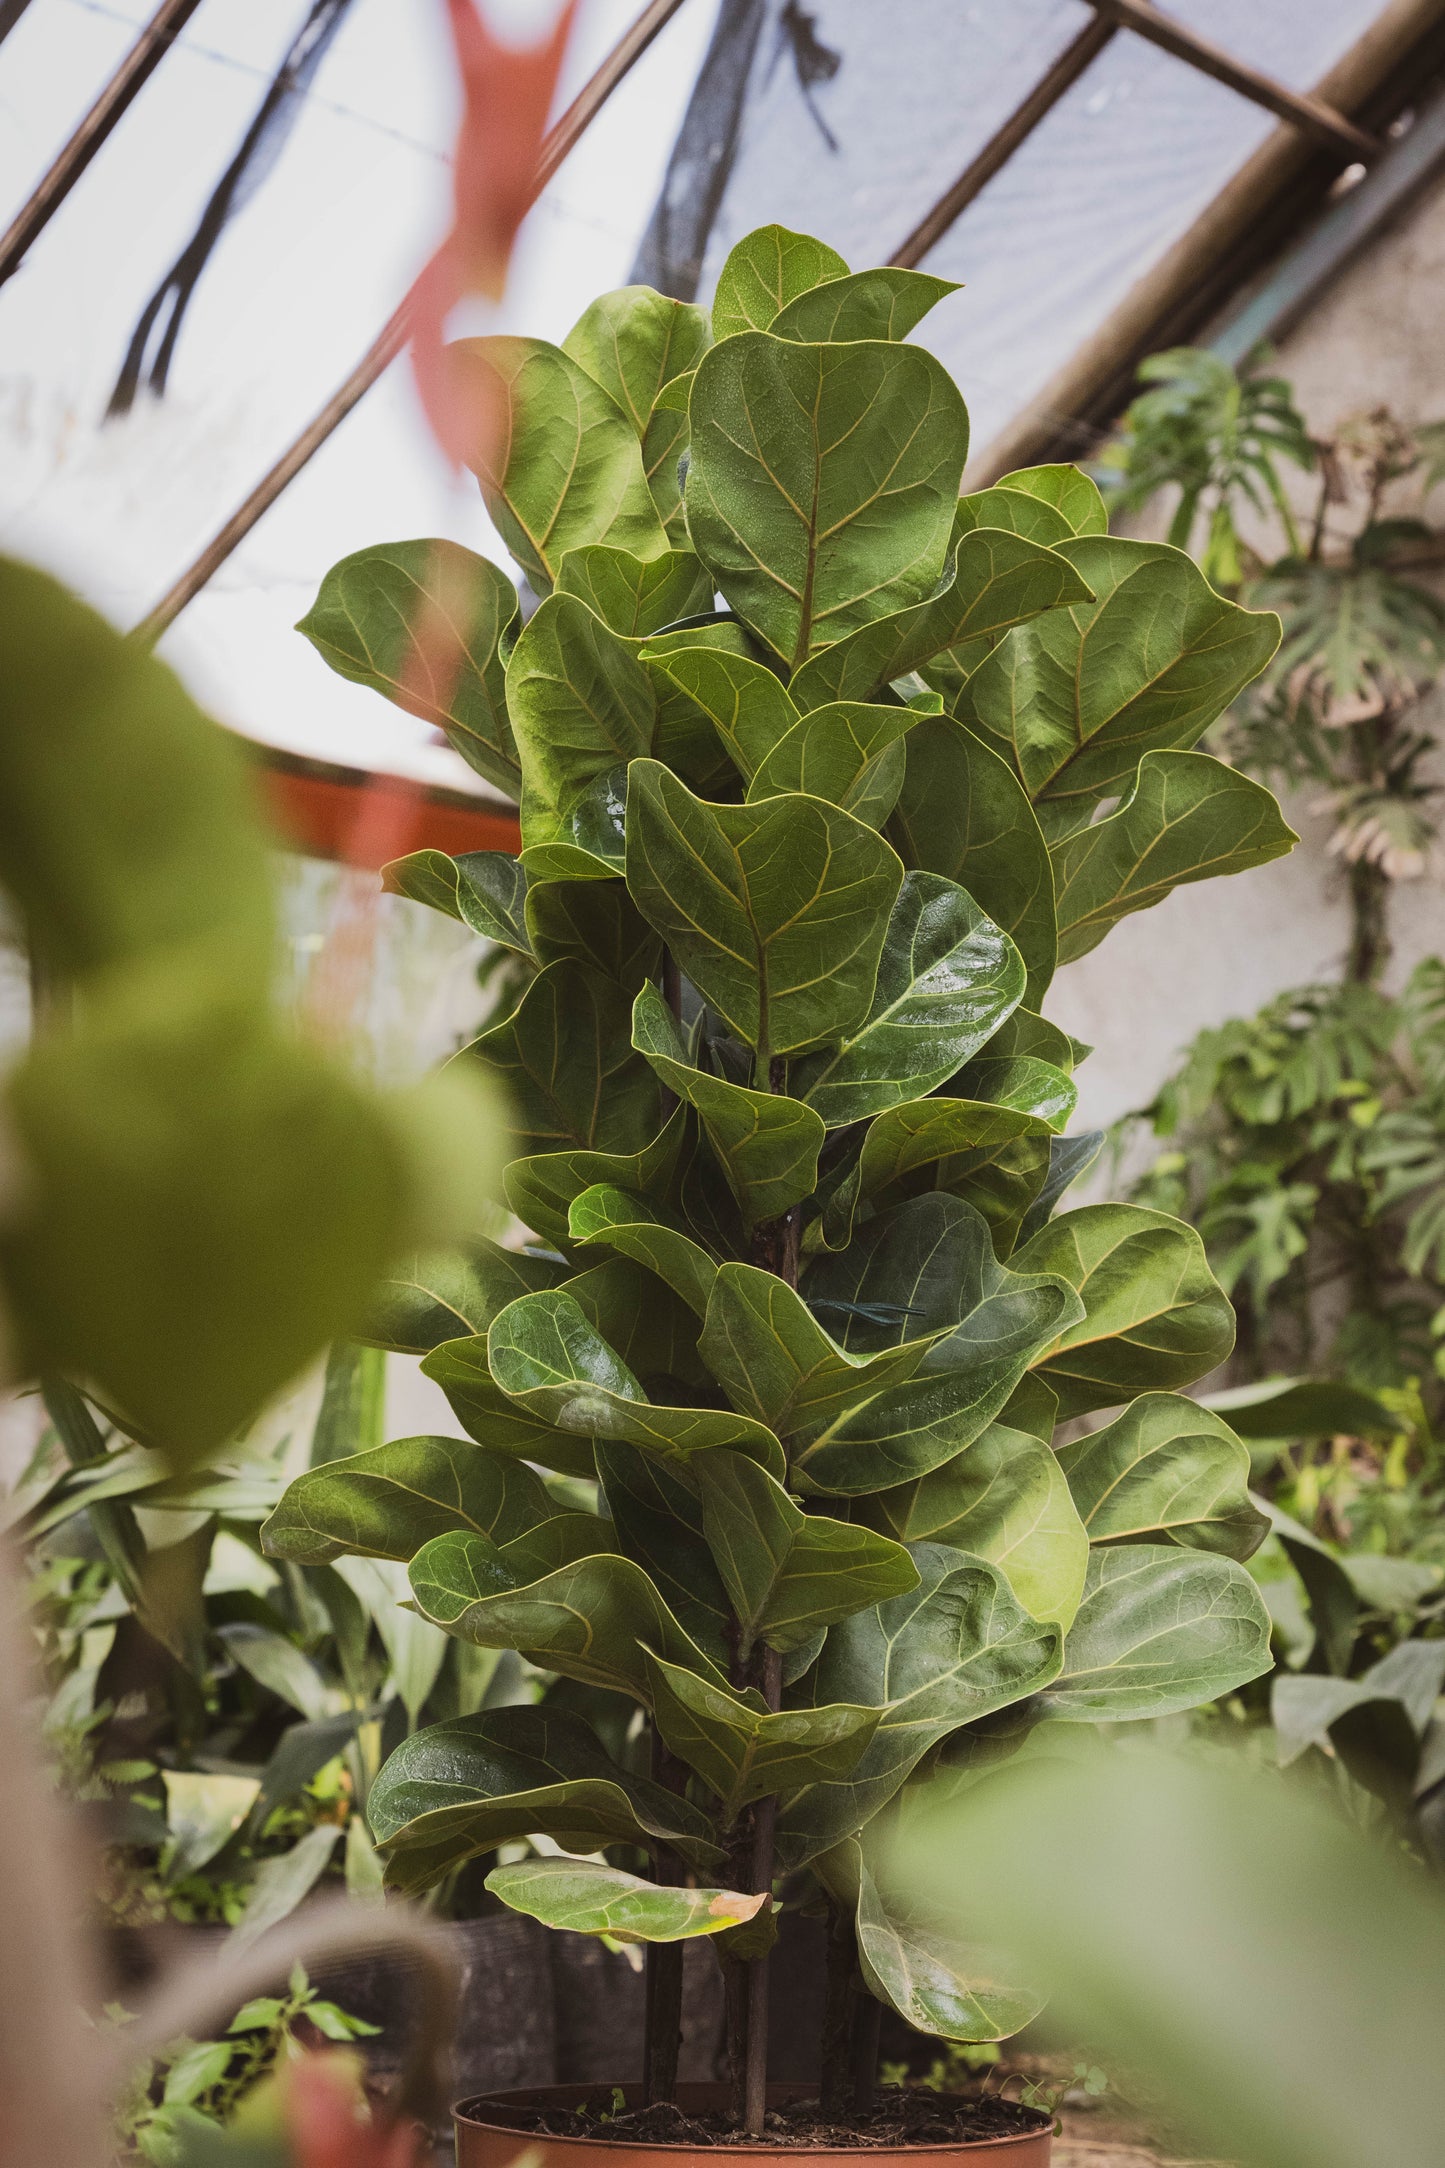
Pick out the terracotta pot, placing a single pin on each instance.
(491, 2134)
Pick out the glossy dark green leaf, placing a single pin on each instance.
(788, 1574)
(1004, 1499)
(388, 1502)
(620, 1220)
(1063, 489)
(746, 702)
(946, 980)
(590, 1621)
(962, 812)
(1159, 1629)
(775, 911)
(923, 1131)
(634, 343)
(458, 1789)
(794, 450)
(459, 1367)
(847, 752)
(775, 1361)
(885, 303)
(582, 704)
(648, 1325)
(741, 1750)
(657, 1514)
(1165, 1468)
(1154, 1315)
(996, 580)
(540, 1189)
(485, 890)
(1187, 818)
(765, 271)
(585, 1897)
(566, 1061)
(384, 613)
(548, 1359)
(766, 1143)
(1023, 1036)
(951, 1651)
(425, 1300)
(1074, 699)
(1069, 1158)
(561, 465)
(635, 596)
(595, 922)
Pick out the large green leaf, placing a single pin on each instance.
(742, 1750)
(885, 303)
(946, 980)
(995, 580)
(1154, 1315)
(594, 922)
(425, 1300)
(773, 1359)
(924, 1266)
(922, 1132)
(633, 343)
(787, 1573)
(765, 271)
(1074, 699)
(949, 1652)
(962, 812)
(457, 1789)
(766, 1143)
(561, 464)
(383, 614)
(540, 1190)
(635, 596)
(388, 1502)
(1159, 1629)
(459, 1367)
(822, 481)
(1004, 1499)
(620, 1220)
(584, 1897)
(590, 1620)
(1187, 818)
(745, 702)
(582, 705)
(847, 753)
(566, 1058)
(658, 1517)
(1061, 490)
(922, 1967)
(775, 911)
(485, 890)
(551, 1362)
(1165, 1468)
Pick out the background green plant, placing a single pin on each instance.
(809, 753)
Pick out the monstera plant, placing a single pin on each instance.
(822, 770)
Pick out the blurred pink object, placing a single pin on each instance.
(321, 2117)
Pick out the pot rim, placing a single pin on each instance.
(464, 2111)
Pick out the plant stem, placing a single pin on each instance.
(867, 2018)
(765, 1823)
(837, 2056)
(1369, 929)
(662, 2028)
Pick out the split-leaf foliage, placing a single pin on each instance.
(823, 769)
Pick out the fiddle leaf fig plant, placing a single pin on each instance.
(823, 768)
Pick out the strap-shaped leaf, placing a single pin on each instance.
(742, 1750)
(1188, 818)
(618, 1219)
(1165, 1468)
(635, 596)
(946, 980)
(1005, 1499)
(1076, 698)
(962, 812)
(847, 753)
(566, 1058)
(459, 1367)
(1159, 1629)
(485, 890)
(377, 618)
(388, 1502)
(1154, 1314)
(658, 1518)
(1062, 489)
(595, 922)
(634, 343)
(425, 1300)
(584, 1897)
(822, 482)
(788, 1574)
(590, 1620)
(744, 700)
(766, 270)
(1069, 1157)
(548, 1358)
(773, 1359)
(582, 704)
(884, 303)
(766, 1143)
(996, 580)
(775, 911)
(561, 465)
(454, 1790)
(910, 1271)
(540, 1190)
(937, 1982)
(952, 1650)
